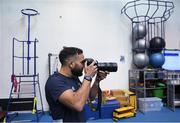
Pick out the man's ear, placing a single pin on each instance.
(71, 64)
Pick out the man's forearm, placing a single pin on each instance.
(83, 92)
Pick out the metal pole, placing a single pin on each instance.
(28, 42)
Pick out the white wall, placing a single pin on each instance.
(172, 28)
(1, 40)
(96, 26)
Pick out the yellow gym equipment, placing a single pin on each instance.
(127, 111)
(34, 105)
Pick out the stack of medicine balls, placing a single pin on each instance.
(154, 57)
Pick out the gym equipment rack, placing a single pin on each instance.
(25, 90)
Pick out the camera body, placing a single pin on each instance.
(104, 66)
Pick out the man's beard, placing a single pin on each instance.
(77, 72)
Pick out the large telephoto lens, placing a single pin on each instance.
(107, 66)
(104, 66)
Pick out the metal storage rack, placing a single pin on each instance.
(173, 89)
(143, 82)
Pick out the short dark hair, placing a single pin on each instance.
(68, 52)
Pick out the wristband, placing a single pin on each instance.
(88, 78)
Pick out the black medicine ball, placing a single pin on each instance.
(157, 44)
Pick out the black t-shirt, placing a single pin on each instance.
(55, 86)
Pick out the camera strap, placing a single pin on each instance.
(99, 100)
